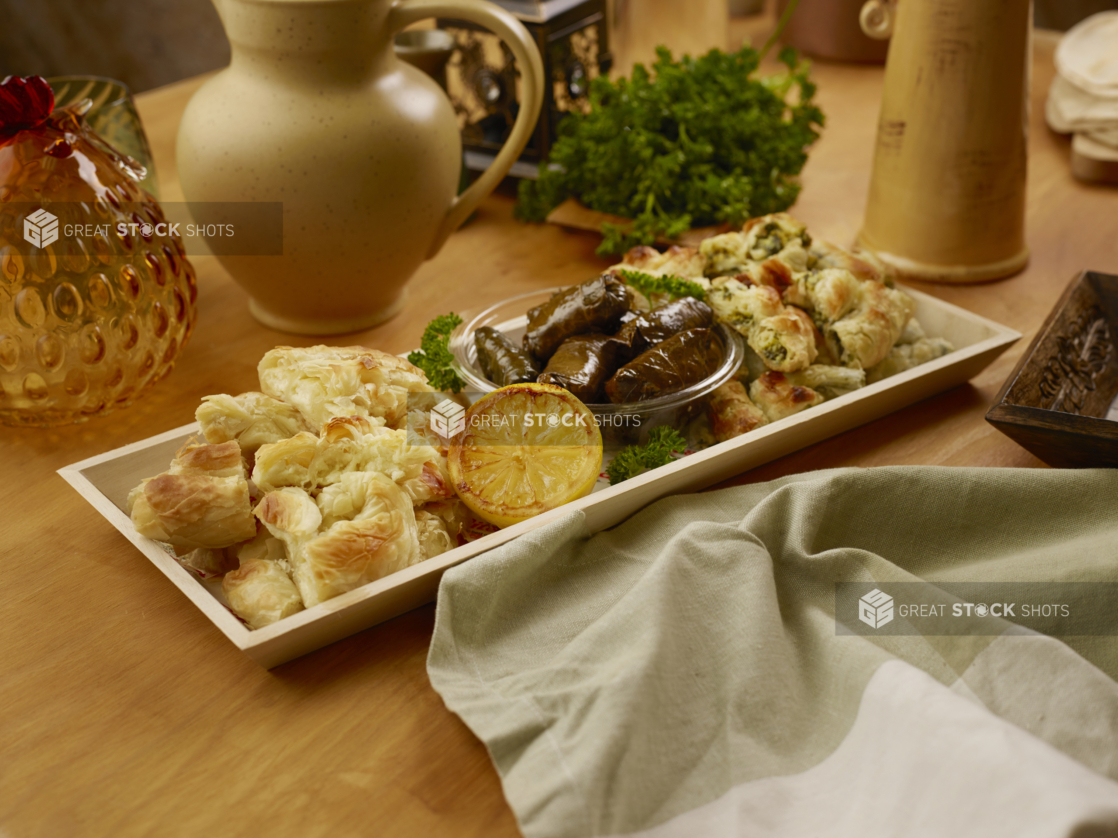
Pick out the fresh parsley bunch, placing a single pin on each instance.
(693, 142)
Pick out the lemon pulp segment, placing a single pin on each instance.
(527, 448)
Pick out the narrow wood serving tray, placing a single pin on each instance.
(105, 481)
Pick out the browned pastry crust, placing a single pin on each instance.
(260, 592)
(201, 501)
(782, 336)
(351, 444)
(869, 331)
(862, 265)
(222, 460)
(252, 419)
(368, 531)
(778, 397)
(325, 382)
(677, 260)
(732, 413)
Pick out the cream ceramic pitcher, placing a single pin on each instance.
(363, 150)
(947, 194)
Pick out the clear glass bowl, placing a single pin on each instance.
(625, 423)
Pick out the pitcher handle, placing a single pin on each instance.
(878, 18)
(512, 32)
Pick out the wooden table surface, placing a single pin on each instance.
(125, 712)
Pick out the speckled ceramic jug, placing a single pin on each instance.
(363, 150)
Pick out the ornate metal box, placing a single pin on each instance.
(483, 81)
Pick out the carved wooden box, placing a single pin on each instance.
(1056, 402)
(484, 84)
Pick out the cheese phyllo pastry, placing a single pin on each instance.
(434, 539)
(201, 501)
(778, 397)
(260, 591)
(325, 382)
(732, 413)
(252, 419)
(453, 513)
(785, 341)
(677, 260)
(353, 444)
(368, 531)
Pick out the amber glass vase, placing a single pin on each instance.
(97, 299)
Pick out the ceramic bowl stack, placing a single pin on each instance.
(1083, 99)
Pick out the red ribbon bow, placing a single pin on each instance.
(24, 103)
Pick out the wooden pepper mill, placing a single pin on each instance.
(947, 194)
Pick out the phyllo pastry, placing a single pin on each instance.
(353, 444)
(908, 355)
(732, 413)
(743, 306)
(768, 249)
(677, 260)
(260, 590)
(208, 561)
(828, 380)
(865, 335)
(434, 537)
(201, 501)
(252, 419)
(783, 336)
(368, 531)
(827, 294)
(778, 397)
(325, 382)
(863, 265)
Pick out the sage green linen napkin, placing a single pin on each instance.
(682, 673)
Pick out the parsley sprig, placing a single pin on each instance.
(434, 356)
(674, 286)
(662, 443)
(692, 142)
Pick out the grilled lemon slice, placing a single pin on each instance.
(526, 448)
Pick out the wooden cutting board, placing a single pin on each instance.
(574, 215)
